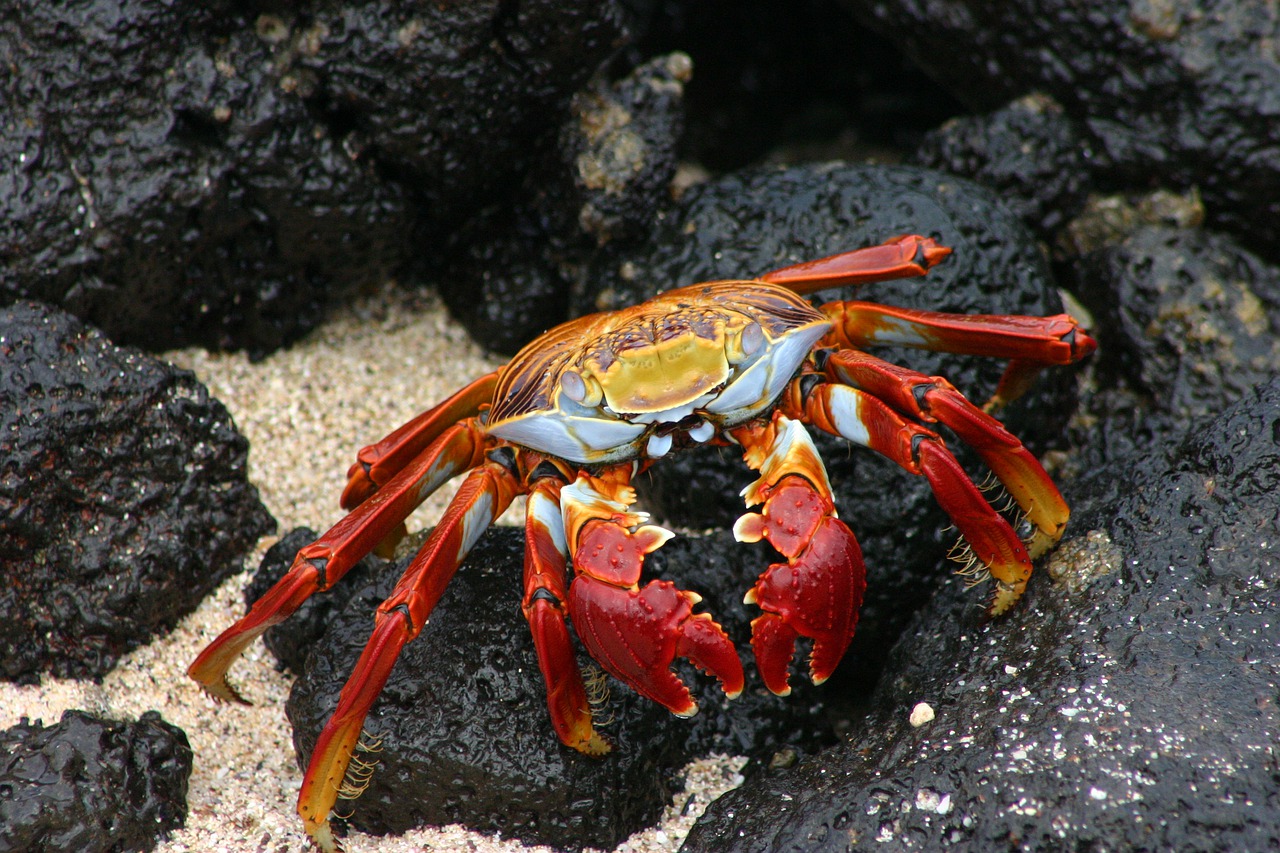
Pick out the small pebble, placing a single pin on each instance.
(922, 713)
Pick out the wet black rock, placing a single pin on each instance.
(1128, 704)
(1188, 322)
(463, 726)
(750, 222)
(1029, 152)
(1169, 93)
(169, 187)
(123, 496)
(511, 267)
(196, 173)
(88, 784)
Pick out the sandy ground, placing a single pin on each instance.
(305, 412)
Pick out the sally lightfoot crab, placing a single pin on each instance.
(579, 411)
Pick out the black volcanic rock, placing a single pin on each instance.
(124, 498)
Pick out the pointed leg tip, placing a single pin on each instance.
(322, 838)
(597, 746)
(222, 691)
(1004, 597)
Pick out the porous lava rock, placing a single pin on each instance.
(608, 179)
(216, 174)
(1175, 94)
(124, 498)
(1029, 152)
(1188, 322)
(1127, 703)
(89, 785)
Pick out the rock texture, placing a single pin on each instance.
(1129, 704)
(123, 496)
(92, 785)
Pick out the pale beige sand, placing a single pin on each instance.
(305, 412)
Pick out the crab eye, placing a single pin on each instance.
(573, 386)
(752, 339)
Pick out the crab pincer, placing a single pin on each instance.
(818, 591)
(636, 632)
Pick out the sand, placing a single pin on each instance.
(305, 411)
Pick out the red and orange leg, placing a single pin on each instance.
(483, 496)
(818, 591)
(901, 257)
(934, 399)
(1028, 343)
(377, 463)
(864, 419)
(320, 565)
(635, 632)
(545, 607)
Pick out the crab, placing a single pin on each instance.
(577, 413)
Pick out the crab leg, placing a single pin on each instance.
(483, 496)
(378, 462)
(902, 257)
(321, 564)
(636, 633)
(818, 591)
(1030, 343)
(862, 419)
(545, 594)
(932, 398)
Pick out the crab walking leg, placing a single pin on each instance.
(483, 496)
(636, 632)
(902, 257)
(818, 591)
(862, 419)
(545, 595)
(320, 565)
(933, 398)
(378, 463)
(1029, 343)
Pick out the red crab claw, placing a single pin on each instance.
(636, 633)
(818, 591)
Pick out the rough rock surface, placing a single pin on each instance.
(123, 496)
(90, 785)
(609, 177)
(1028, 152)
(1188, 322)
(1172, 93)
(195, 173)
(1128, 704)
